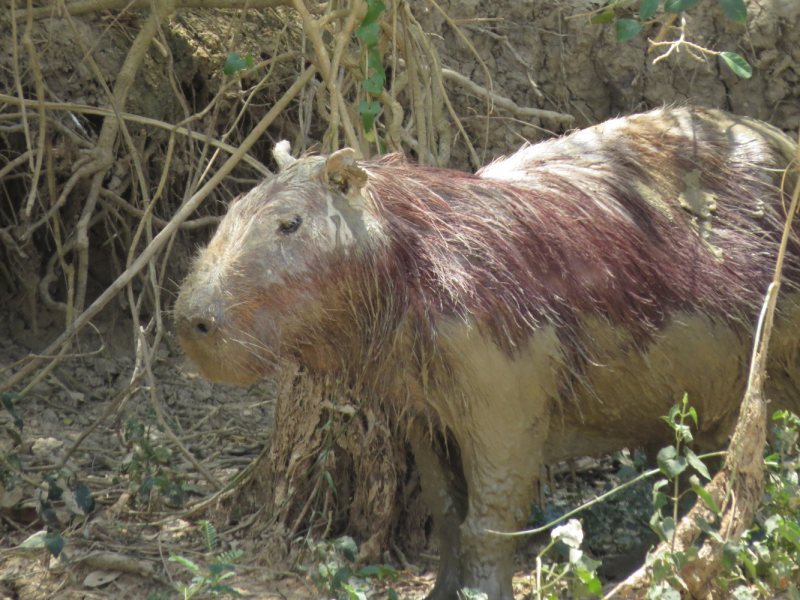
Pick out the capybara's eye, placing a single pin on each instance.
(290, 225)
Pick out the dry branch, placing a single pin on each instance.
(187, 209)
(92, 110)
(505, 103)
(88, 6)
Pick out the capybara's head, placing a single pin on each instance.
(258, 279)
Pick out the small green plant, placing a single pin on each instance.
(8, 400)
(672, 462)
(216, 572)
(62, 499)
(577, 575)
(633, 23)
(374, 73)
(236, 62)
(148, 466)
(335, 578)
(50, 540)
(766, 561)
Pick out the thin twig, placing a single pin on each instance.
(18, 81)
(506, 103)
(103, 112)
(37, 77)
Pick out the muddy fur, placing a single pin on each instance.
(551, 305)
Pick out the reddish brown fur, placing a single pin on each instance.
(559, 238)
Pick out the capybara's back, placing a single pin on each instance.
(551, 306)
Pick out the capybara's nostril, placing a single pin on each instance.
(203, 327)
(195, 328)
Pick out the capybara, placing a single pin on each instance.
(552, 305)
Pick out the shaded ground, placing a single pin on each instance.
(125, 543)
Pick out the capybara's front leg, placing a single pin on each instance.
(444, 499)
(502, 481)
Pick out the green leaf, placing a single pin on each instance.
(329, 479)
(346, 547)
(368, 113)
(235, 62)
(209, 533)
(701, 491)
(219, 568)
(379, 572)
(676, 6)
(185, 562)
(696, 463)
(230, 556)
(737, 64)
(594, 586)
(342, 575)
(604, 17)
(34, 541)
(54, 543)
(84, 498)
(369, 34)
(248, 59)
(648, 9)
(668, 527)
(684, 433)
(392, 594)
(749, 565)
(671, 464)
(730, 555)
(656, 525)
(659, 497)
(8, 403)
(369, 571)
(693, 413)
(374, 62)
(735, 10)
(374, 85)
(55, 492)
(708, 528)
(374, 9)
(791, 532)
(353, 593)
(626, 29)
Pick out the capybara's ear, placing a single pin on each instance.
(282, 153)
(342, 171)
